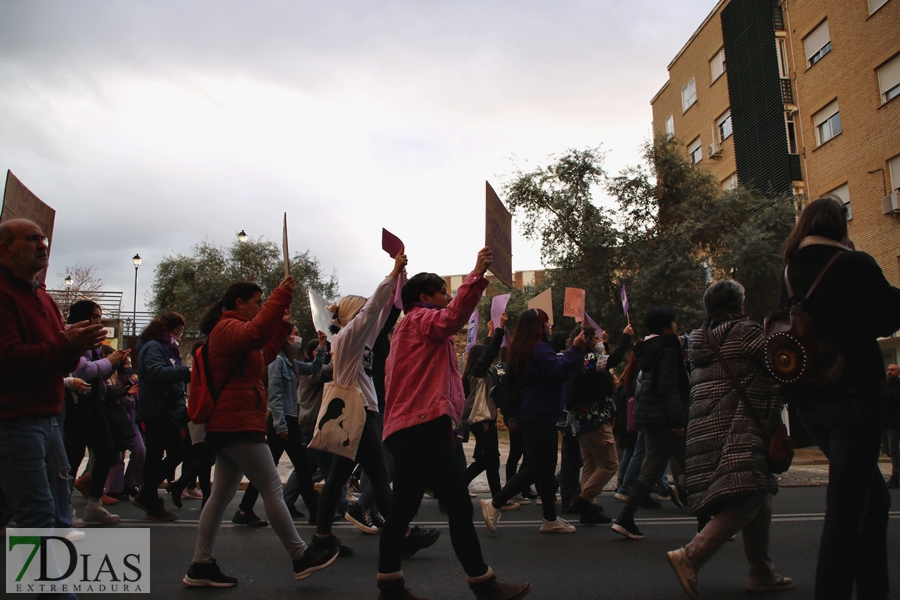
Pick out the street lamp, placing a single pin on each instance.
(137, 263)
(68, 281)
(242, 236)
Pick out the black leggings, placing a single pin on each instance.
(161, 436)
(541, 449)
(296, 451)
(85, 427)
(486, 458)
(424, 458)
(370, 457)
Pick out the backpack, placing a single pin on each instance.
(203, 393)
(504, 391)
(798, 356)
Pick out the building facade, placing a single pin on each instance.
(798, 96)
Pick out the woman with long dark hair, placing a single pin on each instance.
(85, 423)
(161, 409)
(539, 373)
(852, 306)
(244, 336)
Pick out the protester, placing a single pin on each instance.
(727, 474)
(589, 400)
(661, 410)
(86, 424)
(424, 398)
(892, 424)
(161, 409)
(244, 336)
(36, 351)
(358, 321)
(852, 306)
(540, 375)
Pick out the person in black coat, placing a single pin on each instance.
(852, 306)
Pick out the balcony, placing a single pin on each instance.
(777, 17)
(787, 92)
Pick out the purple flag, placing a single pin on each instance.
(589, 322)
(472, 333)
(390, 243)
(498, 307)
(624, 296)
(401, 281)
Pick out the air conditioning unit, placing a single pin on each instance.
(890, 204)
(714, 150)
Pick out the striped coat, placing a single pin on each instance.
(725, 457)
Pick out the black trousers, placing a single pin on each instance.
(296, 451)
(486, 458)
(424, 457)
(165, 451)
(541, 448)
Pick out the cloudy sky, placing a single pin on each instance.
(150, 126)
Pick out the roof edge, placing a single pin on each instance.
(718, 5)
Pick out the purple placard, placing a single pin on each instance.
(472, 333)
(589, 322)
(390, 243)
(624, 296)
(498, 307)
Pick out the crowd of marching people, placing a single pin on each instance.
(379, 405)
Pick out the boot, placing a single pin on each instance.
(583, 507)
(392, 587)
(487, 587)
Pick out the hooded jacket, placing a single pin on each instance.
(725, 456)
(161, 382)
(663, 397)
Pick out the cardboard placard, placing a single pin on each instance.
(20, 203)
(498, 236)
(544, 301)
(574, 303)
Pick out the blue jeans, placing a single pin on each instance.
(632, 465)
(59, 477)
(28, 450)
(853, 547)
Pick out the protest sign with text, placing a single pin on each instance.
(573, 305)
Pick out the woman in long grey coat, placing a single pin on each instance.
(726, 471)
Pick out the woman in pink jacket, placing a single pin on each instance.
(423, 404)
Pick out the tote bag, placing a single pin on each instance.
(481, 407)
(340, 422)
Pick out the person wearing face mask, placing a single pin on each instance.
(284, 429)
(161, 408)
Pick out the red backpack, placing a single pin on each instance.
(203, 393)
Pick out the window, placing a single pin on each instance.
(670, 127)
(843, 192)
(723, 124)
(894, 168)
(688, 95)
(730, 182)
(696, 151)
(717, 64)
(781, 49)
(889, 79)
(827, 123)
(875, 5)
(791, 133)
(817, 43)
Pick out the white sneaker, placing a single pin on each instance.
(491, 515)
(621, 497)
(100, 516)
(558, 526)
(510, 506)
(74, 535)
(520, 499)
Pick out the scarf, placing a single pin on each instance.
(427, 305)
(171, 345)
(818, 240)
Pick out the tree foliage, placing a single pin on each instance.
(190, 284)
(664, 229)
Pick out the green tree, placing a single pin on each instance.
(190, 284)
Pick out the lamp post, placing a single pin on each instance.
(242, 237)
(68, 282)
(137, 263)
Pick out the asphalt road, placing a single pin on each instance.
(592, 563)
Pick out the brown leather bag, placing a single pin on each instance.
(779, 447)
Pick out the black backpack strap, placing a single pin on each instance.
(815, 283)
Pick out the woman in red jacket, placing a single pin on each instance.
(242, 341)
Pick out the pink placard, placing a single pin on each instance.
(573, 305)
(498, 307)
(390, 243)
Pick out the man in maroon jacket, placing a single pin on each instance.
(35, 353)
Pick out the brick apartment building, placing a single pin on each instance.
(798, 96)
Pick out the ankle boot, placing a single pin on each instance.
(584, 508)
(392, 587)
(487, 587)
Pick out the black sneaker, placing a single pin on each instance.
(295, 514)
(156, 510)
(175, 490)
(359, 516)
(201, 575)
(418, 539)
(626, 527)
(249, 519)
(332, 541)
(377, 519)
(312, 561)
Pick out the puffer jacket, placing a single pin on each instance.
(242, 405)
(161, 382)
(665, 388)
(725, 456)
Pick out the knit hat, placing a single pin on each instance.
(345, 309)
